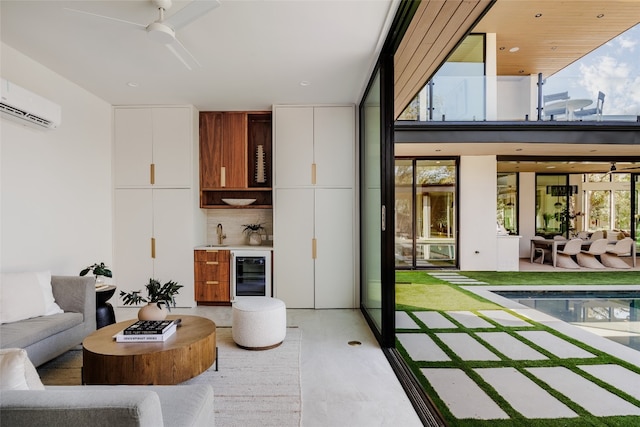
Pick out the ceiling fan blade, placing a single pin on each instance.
(122, 21)
(191, 12)
(182, 54)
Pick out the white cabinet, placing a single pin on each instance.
(156, 226)
(152, 146)
(314, 142)
(314, 221)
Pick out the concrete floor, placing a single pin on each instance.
(342, 384)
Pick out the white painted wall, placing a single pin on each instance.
(478, 229)
(56, 198)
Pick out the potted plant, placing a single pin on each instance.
(253, 233)
(157, 296)
(98, 270)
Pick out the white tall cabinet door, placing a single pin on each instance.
(293, 266)
(172, 231)
(133, 139)
(293, 150)
(333, 146)
(153, 239)
(132, 241)
(158, 136)
(334, 263)
(314, 215)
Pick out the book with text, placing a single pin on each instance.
(148, 327)
(121, 337)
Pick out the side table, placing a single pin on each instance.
(104, 311)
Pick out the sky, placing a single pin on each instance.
(613, 68)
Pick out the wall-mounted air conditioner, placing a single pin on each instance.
(27, 108)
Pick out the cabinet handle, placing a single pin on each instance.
(153, 247)
(212, 282)
(223, 176)
(212, 262)
(314, 248)
(313, 173)
(152, 173)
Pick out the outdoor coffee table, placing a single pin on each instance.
(185, 354)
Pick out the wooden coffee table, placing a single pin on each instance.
(187, 353)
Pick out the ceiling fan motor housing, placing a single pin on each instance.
(161, 33)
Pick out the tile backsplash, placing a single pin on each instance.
(232, 220)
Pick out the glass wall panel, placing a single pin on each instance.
(555, 200)
(622, 210)
(371, 244)
(507, 214)
(404, 241)
(598, 211)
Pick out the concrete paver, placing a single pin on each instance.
(619, 377)
(466, 347)
(511, 347)
(524, 395)
(470, 320)
(404, 321)
(422, 348)
(434, 320)
(554, 345)
(591, 397)
(462, 395)
(504, 318)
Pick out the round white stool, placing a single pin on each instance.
(258, 323)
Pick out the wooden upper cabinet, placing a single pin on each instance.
(223, 150)
(235, 157)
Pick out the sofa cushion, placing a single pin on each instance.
(26, 295)
(26, 332)
(17, 372)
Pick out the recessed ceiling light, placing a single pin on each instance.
(520, 71)
(132, 84)
(538, 15)
(592, 151)
(554, 47)
(502, 48)
(518, 149)
(305, 83)
(437, 151)
(600, 16)
(514, 49)
(551, 167)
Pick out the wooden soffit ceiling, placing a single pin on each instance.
(549, 35)
(437, 27)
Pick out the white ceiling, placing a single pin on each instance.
(254, 53)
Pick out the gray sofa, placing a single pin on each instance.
(47, 337)
(97, 406)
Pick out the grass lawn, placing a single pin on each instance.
(418, 291)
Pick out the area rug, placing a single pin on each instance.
(252, 388)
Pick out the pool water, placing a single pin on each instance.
(612, 314)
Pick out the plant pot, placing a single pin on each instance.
(255, 238)
(152, 312)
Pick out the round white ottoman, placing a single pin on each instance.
(258, 323)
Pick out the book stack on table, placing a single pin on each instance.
(148, 331)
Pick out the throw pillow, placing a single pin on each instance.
(26, 295)
(17, 372)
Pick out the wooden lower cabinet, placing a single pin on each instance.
(211, 273)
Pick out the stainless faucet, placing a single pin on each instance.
(221, 235)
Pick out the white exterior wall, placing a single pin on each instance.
(56, 200)
(477, 249)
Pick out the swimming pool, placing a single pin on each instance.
(613, 314)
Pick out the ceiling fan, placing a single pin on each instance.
(163, 30)
(614, 168)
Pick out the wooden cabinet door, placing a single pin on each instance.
(293, 257)
(211, 270)
(223, 150)
(293, 150)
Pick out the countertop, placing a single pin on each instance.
(235, 247)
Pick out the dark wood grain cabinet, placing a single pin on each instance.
(211, 274)
(235, 158)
